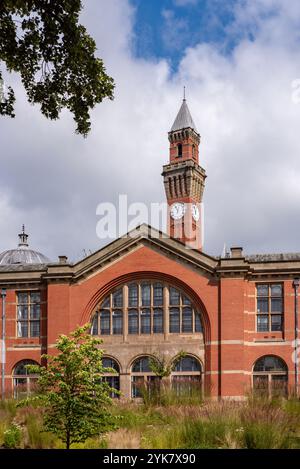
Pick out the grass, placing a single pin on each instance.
(256, 423)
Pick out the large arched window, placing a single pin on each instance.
(23, 381)
(141, 376)
(270, 376)
(113, 379)
(186, 377)
(148, 307)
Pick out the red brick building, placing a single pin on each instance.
(148, 293)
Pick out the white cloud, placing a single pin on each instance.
(52, 180)
(182, 3)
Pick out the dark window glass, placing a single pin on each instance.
(262, 305)
(34, 328)
(105, 322)
(187, 320)
(187, 364)
(279, 385)
(22, 329)
(262, 290)
(179, 150)
(276, 290)
(35, 297)
(276, 305)
(22, 298)
(118, 298)
(113, 382)
(35, 311)
(22, 312)
(141, 365)
(145, 321)
(198, 325)
(158, 326)
(174, 320)
(133, 295)
(270, 363)
(158, 294)
(276, 322)
(110, 363)
(186, 301)
(133, 321)
(117, 318)
(174, 296)
(106, 302)
(137, 383)
(146, 294)
(95, 330)
(262, 323)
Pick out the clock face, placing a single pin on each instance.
(195, 212)
(177, 210)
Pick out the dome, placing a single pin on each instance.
(22, 254)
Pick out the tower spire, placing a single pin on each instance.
(23, 237)
(184, 93)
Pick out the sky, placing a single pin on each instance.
(238, 62)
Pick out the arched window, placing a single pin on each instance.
(144, 305)
(186, 377)
(270, 376)
(23, 381)
(179, 150)
(113, 379)
(141, 376)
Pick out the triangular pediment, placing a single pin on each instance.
(147, 236)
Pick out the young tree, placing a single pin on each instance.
(43, 41)
(162, 368)
(71, 390)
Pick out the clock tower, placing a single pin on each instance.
(184, 181)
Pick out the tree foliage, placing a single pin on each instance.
(43, 41)
(70, 388)
(161, 367)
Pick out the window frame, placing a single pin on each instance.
(270, 314)
(28, 321)
(136, 300)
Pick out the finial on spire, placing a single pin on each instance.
(23, 237)
(184, 93)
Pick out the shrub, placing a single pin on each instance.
(12, 437)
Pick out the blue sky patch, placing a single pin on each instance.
(165, 28)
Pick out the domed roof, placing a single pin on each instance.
(22, 254)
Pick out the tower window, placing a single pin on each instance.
(179, 150)
(28, 314)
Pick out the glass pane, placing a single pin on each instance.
(22, 312)
(262, 290)
(174, 296)
(35, 297)
(276, 290)
(276, 322)
(158, 326)
(158, 294)
(146, 295)
(145, 322)
(117, 319)
(262, 323)
(141, 365)
(95, 330)
(34, 328)
(260, 384)
(137, 383)
(198, 324)
(20, 368)
(118, 298)
(22, 297)
(110, 363)
(106, 302)
(276, 305)
(262, 305)
(187, 320)
(186, 385)
(174, 320)
(186, 301)
(113, 382)
(133, 295)
(187, 364)
(270, 363)
(279, 385)
(105, 322)
(133, 321)
(22, 329)
(35, 311)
